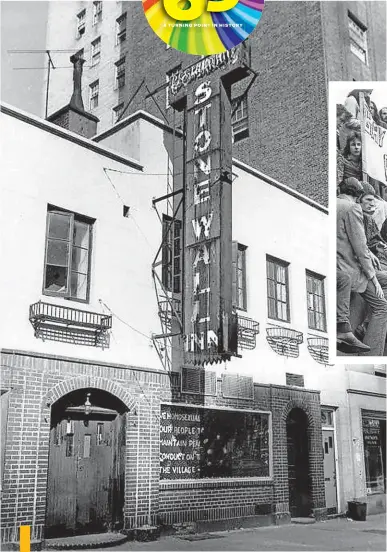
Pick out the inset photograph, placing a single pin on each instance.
(361, 218)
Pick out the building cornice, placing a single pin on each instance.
(366, 393)
(68, 135)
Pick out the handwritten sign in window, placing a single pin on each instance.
(203, 443)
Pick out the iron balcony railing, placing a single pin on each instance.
(284, 341)
(248, 329)
(45, 312)
(318, 348)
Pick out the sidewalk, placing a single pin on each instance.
(332, 535)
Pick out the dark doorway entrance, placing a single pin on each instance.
(86, 474)
(298, 463)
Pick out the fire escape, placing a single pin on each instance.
(167, 266)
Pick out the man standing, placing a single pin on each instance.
(356, 272)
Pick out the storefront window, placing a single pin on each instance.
(374, 434)
(204, 443)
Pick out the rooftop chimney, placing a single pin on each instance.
(73, 116)
(76, 99)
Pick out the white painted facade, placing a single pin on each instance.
(41, 168)
(65, 170)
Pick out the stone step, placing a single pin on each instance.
(85, 542)
(303, 520)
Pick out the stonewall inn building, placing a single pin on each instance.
(164, 358)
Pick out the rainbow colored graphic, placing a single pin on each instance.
(211, 33)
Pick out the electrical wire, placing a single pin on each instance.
(36, 68)
(32, 51)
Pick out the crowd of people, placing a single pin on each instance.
(361, 237)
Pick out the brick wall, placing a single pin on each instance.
(35, 383)
(185, 501)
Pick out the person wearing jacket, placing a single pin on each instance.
(356, 272)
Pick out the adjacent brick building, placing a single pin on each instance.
(297, 48)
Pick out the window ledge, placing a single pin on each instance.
(182, 484)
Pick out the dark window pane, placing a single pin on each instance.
(59, 226)
(272, 309)
(270, 270)
(271, 288)
(56, 278)
(69, 445)
(57, 253)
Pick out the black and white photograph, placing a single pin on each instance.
(361, 232)
(168, 367)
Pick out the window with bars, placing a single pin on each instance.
(81, 23)
(117, 112)
(93, 94)
(67, 257)
(96, 51)
(171, 254)
(357, 38)
(277, 289)
(168, 78)
(97, 12)
(239, 299)
(316, 301)
(120, 73)
(121, 29)
(239, 120)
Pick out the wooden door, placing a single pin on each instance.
(84, 463)
(329, 471)
(94, 463)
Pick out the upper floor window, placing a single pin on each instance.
(168, 78)
(93, 94)
(239, 299)
(316, 301)
(96, 51)
(97, 12)
(67, 258)
(277, 289)
(117, 112)
(239, 120)
(171, 254)
(358, 38)
(121, 29)
(81, 23)
(120, 73)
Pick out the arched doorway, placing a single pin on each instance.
(298, 463)
(86, 471)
